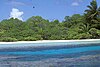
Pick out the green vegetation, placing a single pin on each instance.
(86, 26)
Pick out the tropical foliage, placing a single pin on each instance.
(86, 26)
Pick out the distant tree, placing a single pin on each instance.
(67, 19)
(55, 21)
(73, 20)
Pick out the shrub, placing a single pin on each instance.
(83, 36)
(30, 39)
(8, 39)
(95, 33)
(55, 37)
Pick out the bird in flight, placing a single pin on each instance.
(33, 7)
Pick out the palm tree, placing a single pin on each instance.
(84, 28)
(92, 13)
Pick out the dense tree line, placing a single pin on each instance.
(86, 26)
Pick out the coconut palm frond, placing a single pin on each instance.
(87, 10)
(99, 9)
(91, 16)
(90, 7)
(93, 4)
(95, 21)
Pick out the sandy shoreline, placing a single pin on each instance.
(50, 41)
(40, 43)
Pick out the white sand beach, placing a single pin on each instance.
(50, 41)
(47, 43)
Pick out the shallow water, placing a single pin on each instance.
(52, 51)
(77, 56)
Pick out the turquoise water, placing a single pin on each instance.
(21, 45)
(53, 51)
(63, 55)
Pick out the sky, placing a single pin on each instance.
(48, 9)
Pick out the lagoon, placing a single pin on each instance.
(79, 54)
(52, 51)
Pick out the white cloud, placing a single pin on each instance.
(15, 3)
(75, 4)
(15, 13)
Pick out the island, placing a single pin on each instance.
(77, 26)
(39, 42)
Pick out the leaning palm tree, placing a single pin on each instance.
(92, 13)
